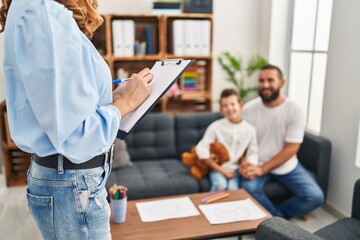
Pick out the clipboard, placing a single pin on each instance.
(165, 73)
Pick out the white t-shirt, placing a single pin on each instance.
(274, 127)
(235, 137)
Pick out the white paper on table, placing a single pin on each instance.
(233, 211)
(157, 210)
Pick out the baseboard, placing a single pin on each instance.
(333, 211)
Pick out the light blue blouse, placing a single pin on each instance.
(58, 87)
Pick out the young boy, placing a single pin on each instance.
(237, 135)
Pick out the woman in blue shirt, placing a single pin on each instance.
(62, 110)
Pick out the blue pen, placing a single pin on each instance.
(118, 81)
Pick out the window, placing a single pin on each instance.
(308, 58)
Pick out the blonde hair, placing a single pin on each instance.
(84, 13)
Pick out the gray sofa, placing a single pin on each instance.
(346, 228)
(156, 145)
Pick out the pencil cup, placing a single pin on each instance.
(118, 210)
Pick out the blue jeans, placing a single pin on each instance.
(219, 182)
(69, 204)
(306, 194)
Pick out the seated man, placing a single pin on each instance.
(280, 130)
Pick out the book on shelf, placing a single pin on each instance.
(178, 37)
(149, 35)
(190, 37)
(167, 7)
(129, 37)
(203, 29)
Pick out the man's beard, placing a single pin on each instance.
(268, 99)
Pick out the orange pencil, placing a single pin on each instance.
(217, 198)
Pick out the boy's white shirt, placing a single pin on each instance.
(235, 137)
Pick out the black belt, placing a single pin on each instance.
(52, 161)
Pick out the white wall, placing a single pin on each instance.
(280, 34)
(264, 29)
(341, 111)
(236, 29)
(125, 6)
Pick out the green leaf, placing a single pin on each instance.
(230, 73)
(236, 64)
(255, 63)
(233, 67)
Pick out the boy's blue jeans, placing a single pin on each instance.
(219, 182)
(307, 195)
(70, 204)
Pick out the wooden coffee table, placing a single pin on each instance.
(183, 228)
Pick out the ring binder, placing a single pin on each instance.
(168, 61)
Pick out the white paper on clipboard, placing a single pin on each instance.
(165, 74)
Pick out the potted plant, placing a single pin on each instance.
(238, 73)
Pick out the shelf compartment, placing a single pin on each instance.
(147, 29)
(191, 28)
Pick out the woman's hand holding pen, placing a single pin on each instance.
(118, 92)
(135, 92)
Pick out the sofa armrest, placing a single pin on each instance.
(355, 213)
(276, 228)
(315, 155)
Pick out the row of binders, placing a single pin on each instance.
(192, 37)
(123, 37)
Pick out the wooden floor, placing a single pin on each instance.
(16, 222)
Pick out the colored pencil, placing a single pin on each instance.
(212, 196)
(217, 198)
(118, 192)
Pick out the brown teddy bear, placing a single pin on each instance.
(198, 168)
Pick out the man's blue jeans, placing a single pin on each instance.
(69, 204)
(307, 195)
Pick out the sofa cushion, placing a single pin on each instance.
(151, 178)
(346, 228)
(190, 128)
(205, 184)
(153, 138)
(121, 154)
